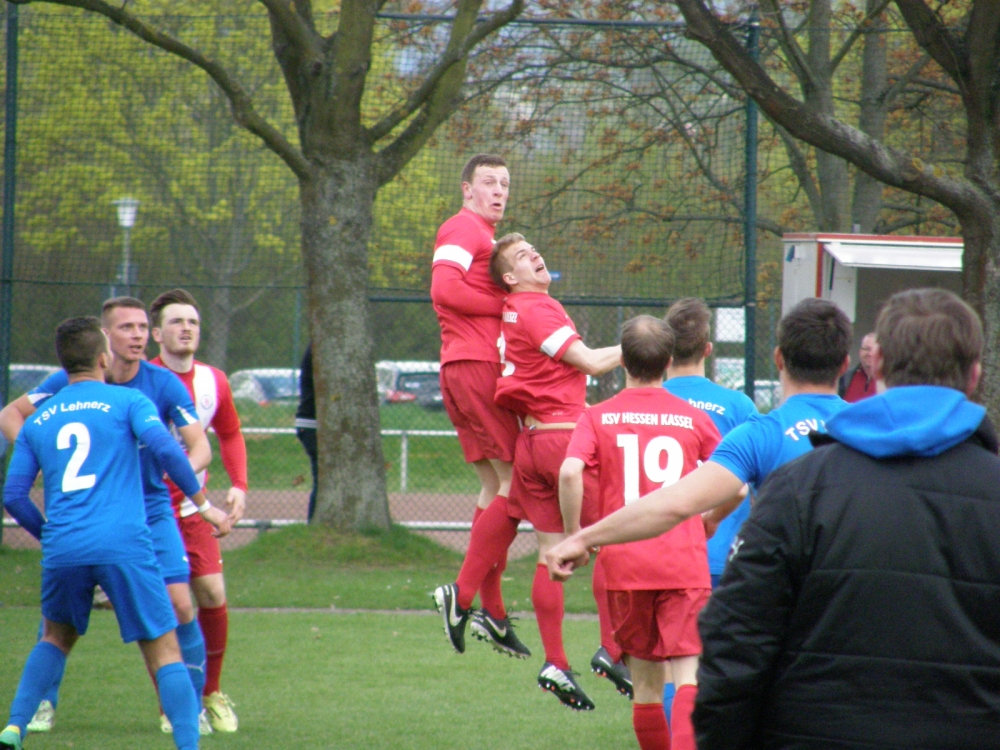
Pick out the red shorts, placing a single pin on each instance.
(204, 555)
(484, 429)
(534, 489)
(657, 625)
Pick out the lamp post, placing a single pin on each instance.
(127, 208)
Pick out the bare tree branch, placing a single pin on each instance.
(904, 80)
(934, 37)
(243, 110)
(456, 51)
(296, 28)
(440, 99)
(856, 34)
(796, 57)
(799, 167)
(888, 165)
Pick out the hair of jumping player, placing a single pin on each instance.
(499, 263)
(480, 160)
(928, 337)
(647, 345)
(79, 342)
(814, 339)
(691, 321)
(173, 297)
(111, 304)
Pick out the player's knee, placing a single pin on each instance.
(209, 592)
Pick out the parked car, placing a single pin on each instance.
(265, 384)
(400, 382)
(25, 377)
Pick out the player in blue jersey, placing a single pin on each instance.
(812, 353)
(87, 441)
(127, 326)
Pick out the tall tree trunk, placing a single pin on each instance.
(867, 201)
(337, 203)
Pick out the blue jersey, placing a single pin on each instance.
(173, 404)
(85, 439)
(755, 449)
(728, 409)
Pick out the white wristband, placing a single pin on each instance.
(204, 508)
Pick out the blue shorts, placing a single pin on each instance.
(169, 548)
(135, 589)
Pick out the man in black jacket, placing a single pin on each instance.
(859, 606)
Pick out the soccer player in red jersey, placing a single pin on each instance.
(177, 329)
(468, 305)
(545, 364)
(639, 440)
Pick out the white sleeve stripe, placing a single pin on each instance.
(553, 343)
(34, 398)
(455, 254)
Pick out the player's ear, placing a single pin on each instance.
(467, 191)
(510, 279)
(157, 335)
(779, 358)
(709, 348)
(845, 366)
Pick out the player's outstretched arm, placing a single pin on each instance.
(717, 515)
(198, 449)
(651, 515)
(571, 493)
(16, 491)
(216, 516)
(14, 415)
(592, 361)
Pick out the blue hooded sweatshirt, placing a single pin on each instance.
(914, 420)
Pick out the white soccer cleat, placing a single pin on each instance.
(44, 718)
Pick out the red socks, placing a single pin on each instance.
(603, 612)
(680, 717)
(650, 724)
(547, 598)
(492, 533)
(215, 627)
(490, 594)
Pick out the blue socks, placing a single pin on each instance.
(44, 667)
(52, 694)
(192, 645)
(668, 698)
(179, 704)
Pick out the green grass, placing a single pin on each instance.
(318, 681)
(277, 462)
(311, 566)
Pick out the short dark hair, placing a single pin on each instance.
(814, 339)
(173, 297)
(480, 160)
(691, 321)
(79, 342)
(928, 337)
(647, 345)
(499, 264)
(111, 304)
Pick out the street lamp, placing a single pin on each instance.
(127, 208)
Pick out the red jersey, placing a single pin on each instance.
(641, 440)
(535, 334)
(209, 389)
(469, 310)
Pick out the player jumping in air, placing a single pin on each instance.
(812, 353)
(468, 305)
(545, 364)
(124, 319)
(86, 441)
(177, 329)
(639, 440)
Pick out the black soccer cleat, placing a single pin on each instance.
(616, 671)
(563, 684)
(498, 633)
(455, 618)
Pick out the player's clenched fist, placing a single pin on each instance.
(566, 557)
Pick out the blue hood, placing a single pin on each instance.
(916, 420)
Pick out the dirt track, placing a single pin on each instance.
(289, 504)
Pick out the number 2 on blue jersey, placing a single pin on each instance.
(72, 480)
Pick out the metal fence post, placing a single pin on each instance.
(750, 223)
(404, 459)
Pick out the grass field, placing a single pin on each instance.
(277, 462)
(323, 679)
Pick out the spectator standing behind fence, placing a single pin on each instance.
(860, 384)
(177, 330)
(859, 608)
(305, 421)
